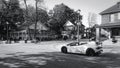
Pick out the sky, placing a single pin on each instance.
(86, 6)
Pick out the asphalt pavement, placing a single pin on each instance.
(48, 55)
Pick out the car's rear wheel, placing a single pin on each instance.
(64, 49)
(90, 52)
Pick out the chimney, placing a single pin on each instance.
(118, 4)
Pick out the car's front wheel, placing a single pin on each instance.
(64, 49)
(90, 52)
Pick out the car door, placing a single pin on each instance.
(72, 48)
(79, 49)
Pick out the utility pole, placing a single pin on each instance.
(89, 21)
(36, 19)
(78, 24)
(7, 30)
(89, 32)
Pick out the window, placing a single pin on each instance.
(116, 31)
(112, 18)
(118, 15)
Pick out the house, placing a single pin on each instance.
(70, 30)
(26, 31)
(69, 26)
(111, 20)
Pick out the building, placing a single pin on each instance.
(70, 30)
(111, 20)
(26, 31)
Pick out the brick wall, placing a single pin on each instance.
(107, 19)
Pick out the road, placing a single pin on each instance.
(48, 55)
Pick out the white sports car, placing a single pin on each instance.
(91, 48)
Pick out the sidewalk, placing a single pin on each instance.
(110, 43)
(110, 47)
(22, 48)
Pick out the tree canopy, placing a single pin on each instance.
(61, 14)
(10, 15)
(42, 15)
(13, 15)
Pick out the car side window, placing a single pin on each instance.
(74, 44)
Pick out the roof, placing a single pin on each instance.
(39, 26)
(32, 26)
(69, 23)
(110, 25)
(114, 9)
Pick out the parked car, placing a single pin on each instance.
(90, 48)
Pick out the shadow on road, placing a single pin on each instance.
(61, 60)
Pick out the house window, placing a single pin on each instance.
(118, 15)
(115, 32)
(112, 18)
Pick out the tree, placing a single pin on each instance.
(30, 13)
(37, 5)
(36, 13)
(12, 14)
(41, 15)
(92, 19)
(26, 11)
(61, 14)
